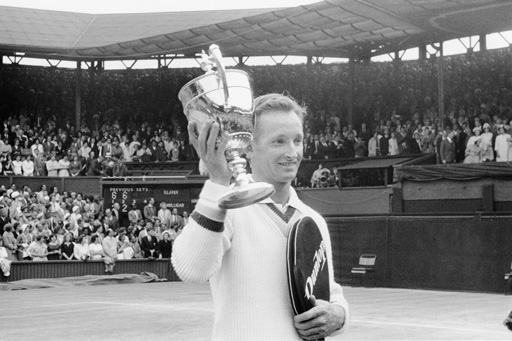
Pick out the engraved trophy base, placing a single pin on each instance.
(246, 195)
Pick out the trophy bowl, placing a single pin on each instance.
(226, 97)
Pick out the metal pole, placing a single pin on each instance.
(440, 83)
(351, 83)
(78, 96)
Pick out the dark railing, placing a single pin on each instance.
(58, 269)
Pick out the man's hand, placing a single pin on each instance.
(320, 321)
(211, 153)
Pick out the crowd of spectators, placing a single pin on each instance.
(48, 225)
(58, 150)
(135, 115)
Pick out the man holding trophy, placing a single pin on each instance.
(236, 238)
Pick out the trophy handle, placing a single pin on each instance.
(216, 56)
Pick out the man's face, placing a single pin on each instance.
(277, 147)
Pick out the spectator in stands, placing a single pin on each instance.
(81, 249)
(150, 210)
(95, 248)
(124, 246)
(359, 147)
(164, 215)
(185, 218)
(416, 144)
(94, 165)
(502, 145)
(144, 154)
(149, 244)
(110, 221)
(447, 151)
(28, 166)
(176, 222)
(175, 152)
(374, 145)
(165, 245)
(486, 143)
(75, 166)
(5, 262)
(474, 152)
(67, 247)
(54, 248)
(38, 250)
(39, 163)
(24, 240)
(137, 250)
(134, 215)
(317, 174)
(17, 164)
(9, 242)
(25, 149)
(384, 143)
(52, 165)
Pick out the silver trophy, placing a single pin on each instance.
(226, 97)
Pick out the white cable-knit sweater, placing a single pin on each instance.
(242, 252)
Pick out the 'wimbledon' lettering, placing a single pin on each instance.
(319, 260)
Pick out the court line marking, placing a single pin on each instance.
(105, 306)
(51, 313)
(430, 326)
(167, 306)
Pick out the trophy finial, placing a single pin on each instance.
(206, 64)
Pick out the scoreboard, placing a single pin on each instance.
(182, 196)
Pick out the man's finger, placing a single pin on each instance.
(312, 300)
(203, 138)
(214, 134)
(192, 131)
(223, 142)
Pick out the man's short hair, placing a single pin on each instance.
(277, 102)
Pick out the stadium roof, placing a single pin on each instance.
(331, 28)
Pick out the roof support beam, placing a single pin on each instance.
(241, 60)
(470, 47)
(162, 62)
(129, 67)
(15, 59)
(504, 38)
(78, 96)
(483, 42)
(422, 52)
(279, 63)
(440, 82)
(53, 65)
(350, 95)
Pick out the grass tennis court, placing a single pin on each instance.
(180, 311)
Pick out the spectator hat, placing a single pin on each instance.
(75, 209)
(477, 128)
(15, 194)
(40, 215)
(66, 216)
(487, 125)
